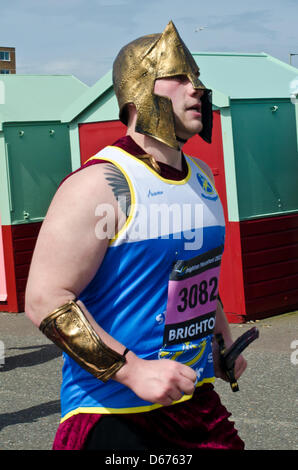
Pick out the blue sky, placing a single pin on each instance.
(82, 37)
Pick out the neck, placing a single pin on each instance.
(160, 151)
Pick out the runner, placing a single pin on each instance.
(125, 273)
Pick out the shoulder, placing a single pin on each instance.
(87, 179)
(83, 190)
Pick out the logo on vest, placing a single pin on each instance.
(208, 191)
(154, 193)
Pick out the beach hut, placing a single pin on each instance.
(253, 157)
(34, 157)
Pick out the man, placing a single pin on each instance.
(124, 276)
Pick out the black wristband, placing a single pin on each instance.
(125, 352)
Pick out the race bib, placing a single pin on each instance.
(191, 309)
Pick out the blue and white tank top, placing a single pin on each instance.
(156, 289)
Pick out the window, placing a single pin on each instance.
(4, 71)
(5, 55)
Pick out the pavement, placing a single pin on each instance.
(264, 409)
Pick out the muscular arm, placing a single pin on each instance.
(68, 253)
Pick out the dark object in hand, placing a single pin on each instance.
(229, 356)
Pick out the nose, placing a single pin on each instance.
(198, 92)
(195, 91)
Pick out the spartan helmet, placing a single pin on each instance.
(135, 70)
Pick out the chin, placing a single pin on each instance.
(190, 130)
(199, 127)
(194, 128)
(191, 133)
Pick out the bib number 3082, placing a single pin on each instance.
(198, 294)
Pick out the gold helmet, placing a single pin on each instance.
(135, 70)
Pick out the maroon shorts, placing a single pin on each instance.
(200, 423)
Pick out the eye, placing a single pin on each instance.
(178, 78)
(181, 78)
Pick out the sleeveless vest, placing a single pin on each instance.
(156, 289)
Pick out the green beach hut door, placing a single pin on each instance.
(39, 158)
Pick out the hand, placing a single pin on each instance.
(240, 363)
(157, 381)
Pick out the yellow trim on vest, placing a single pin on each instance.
(179, 182)
(135, 409)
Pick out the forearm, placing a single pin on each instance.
(74, 330)
(134, 367)
(222, 325)
(40, 305)
(109, 340)
(124, 374)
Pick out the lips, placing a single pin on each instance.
(195, 107)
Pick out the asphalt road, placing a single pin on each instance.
(264, 410)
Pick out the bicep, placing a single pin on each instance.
(68, 251)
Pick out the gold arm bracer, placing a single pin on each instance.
(69, 329)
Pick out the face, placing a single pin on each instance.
(186, 102)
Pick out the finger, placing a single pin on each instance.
(186, 386)
(175, 396)
(166, 401)
(189, 373)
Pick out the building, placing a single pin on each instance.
(253, 156)
(254, 159)
(7, 60)
(34, 158)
